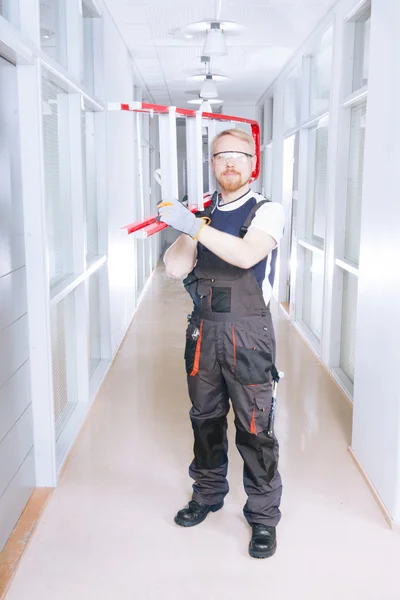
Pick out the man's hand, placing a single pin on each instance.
(207, 212)
(176, 215)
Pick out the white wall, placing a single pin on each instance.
(376, 418)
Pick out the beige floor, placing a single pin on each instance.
(108, 531)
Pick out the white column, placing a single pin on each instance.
(277, 185)
(334, 221)
(194, 157)
(168, 154)
(29, 89)
(376, 417)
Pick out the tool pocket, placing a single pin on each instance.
(260, 407)
(193, 348)
(252, 366)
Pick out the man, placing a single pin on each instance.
(230, 343)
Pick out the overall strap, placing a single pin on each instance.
(247, 223)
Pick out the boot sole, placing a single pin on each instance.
(184, 523)
(267, 554)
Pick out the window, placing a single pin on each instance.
(4, 8)
(57, 180)
(313, 287)
(354, 185)
(87, 74)
(320, 75)
(354, 121)
(349, 317)
(93, 317)
(9, 10)
(291, 99)
(317, 182)
(361, 50)
(53, 30)
(90, 183)
(63, 349)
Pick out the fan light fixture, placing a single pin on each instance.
(215, 44)
(215, 32)
(215, 101)
(209, 89)
(201, 27)
(215, 76)
(197, 75)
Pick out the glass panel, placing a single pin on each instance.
(349, 319)
(317, 182)
(88, 51)
(9, 10)
(89, 181)
(52, 25)
(321, 67)
(313, 287)
(57, 180)
(94, 332)
(361, 51)
(63, 347)
(291, 100)
(355, 180)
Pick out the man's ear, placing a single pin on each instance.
(212, 164)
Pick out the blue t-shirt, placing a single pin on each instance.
(230, 220)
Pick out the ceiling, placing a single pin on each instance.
(276, 29)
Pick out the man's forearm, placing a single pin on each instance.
(243, 253)
(181, 257)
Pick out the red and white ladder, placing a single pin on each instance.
(195, 121)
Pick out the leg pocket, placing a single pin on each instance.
(193, 348)
(253, 366)
(261, 408)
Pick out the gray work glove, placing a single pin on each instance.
(176, 215)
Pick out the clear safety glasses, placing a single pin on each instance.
(234, 157)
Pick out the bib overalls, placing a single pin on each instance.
(230, 349)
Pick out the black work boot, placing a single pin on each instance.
(263, 541)
(195, 512)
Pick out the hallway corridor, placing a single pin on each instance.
(108, 532)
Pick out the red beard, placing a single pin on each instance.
(231, 183)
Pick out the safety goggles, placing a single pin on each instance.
(230, 156)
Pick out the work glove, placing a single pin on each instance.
(207, 212)
(176, 215)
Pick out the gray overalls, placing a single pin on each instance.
(230, 349)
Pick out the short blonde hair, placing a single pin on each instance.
(238, 133)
